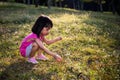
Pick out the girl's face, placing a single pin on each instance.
(45, 31)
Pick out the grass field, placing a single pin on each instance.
(90, 47)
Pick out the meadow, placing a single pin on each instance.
(90, 47)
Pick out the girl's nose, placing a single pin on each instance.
(47, 33)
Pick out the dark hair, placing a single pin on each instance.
(41, 22)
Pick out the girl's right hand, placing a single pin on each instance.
(58, 57)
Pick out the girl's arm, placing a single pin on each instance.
(56, 56)
(52, 41)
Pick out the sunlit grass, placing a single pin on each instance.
(90, 45)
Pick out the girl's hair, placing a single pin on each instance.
(41, 22)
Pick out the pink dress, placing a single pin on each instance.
(26, 42)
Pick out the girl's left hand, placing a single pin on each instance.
(59, 38)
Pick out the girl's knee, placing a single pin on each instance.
(34, 44)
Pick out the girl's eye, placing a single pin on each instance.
(48, 29)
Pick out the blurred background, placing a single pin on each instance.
(93, 5)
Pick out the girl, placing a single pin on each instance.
(33, 42)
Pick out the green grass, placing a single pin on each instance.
(90, 47)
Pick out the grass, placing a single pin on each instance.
(90, 46)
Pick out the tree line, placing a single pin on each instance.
(94, 5)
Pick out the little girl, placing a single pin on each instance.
(34, 42)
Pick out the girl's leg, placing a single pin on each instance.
(31, 58)
(35, 48)
(40, 55)
(40, 52)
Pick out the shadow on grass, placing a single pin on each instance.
(16, 71)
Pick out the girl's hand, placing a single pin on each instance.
(58, 57)
(59, 38)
